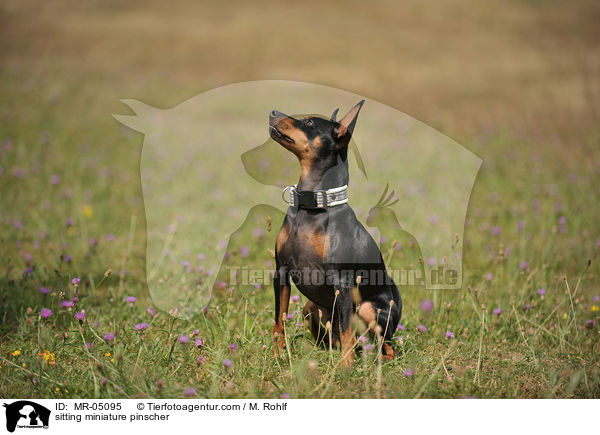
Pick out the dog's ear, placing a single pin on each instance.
(334, 114)
(343, 132)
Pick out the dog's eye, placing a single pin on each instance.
(309, 122)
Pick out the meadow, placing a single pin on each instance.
(515, 82)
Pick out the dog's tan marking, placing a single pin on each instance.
(388, 352)
(347, 341)
(320, 243)
(286, 126)
(282, 237)
(368, 314)
(278, 329)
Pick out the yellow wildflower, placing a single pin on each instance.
(16, 353)
(565, 316)
(594, 308)
(48, 356)
(87, 210)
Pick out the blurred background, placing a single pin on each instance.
(463, 65)
(517, 82)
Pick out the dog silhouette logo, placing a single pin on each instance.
(26, 414)
(212, 180)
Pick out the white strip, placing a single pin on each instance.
(287, 416)
(340, 202)
(337, 189)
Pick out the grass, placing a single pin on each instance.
(538, 185)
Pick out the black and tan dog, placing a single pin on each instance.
(322, 247)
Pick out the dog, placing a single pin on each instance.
(323, 248)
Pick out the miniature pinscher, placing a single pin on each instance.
(323, 248)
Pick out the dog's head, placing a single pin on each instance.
(313, 138)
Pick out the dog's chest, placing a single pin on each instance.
(302, 245)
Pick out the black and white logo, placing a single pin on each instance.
(25, 414)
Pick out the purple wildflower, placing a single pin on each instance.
(497, 311)
(285, 396)
(80, 315)
(89, 345)
(141, 326)
(55, 179)
(421, 328)
(75, 281)
(69, 222)
(67, 304)
(496, 230)
(190, 392)
(201, 360)
(488, 276)
(130, 299)
(233, 346)
(427, 305)
(109, 336)
(363, 339)
(45, 313)
(408, 373)
(541, 292)
(198, 342)
(369, 347)
(523, 265)
(227, 363)
(245, 251)
(400, 327)
(295, 298)
(183, 339)
(590, 324)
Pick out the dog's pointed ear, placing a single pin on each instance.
(344, 130)
(334, 115)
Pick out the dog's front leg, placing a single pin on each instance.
(281, 286)
(344, 310)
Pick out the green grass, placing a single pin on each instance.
(540, 163)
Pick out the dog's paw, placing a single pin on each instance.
(279, 345)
